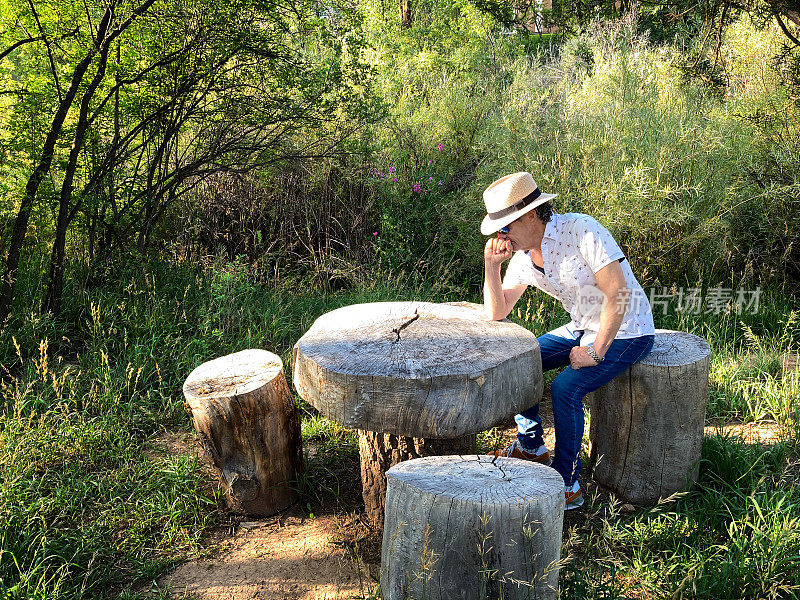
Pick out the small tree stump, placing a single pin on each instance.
(470, 527)
(247, 421)
(646, 427)
(415, 370)
(380, 451)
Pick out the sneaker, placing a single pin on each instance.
(573, 496)
(514, 450)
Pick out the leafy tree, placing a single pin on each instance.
(162, 94)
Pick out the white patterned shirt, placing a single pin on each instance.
(574, 248)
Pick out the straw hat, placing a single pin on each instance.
(510, 197)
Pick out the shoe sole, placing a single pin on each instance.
(575, 503)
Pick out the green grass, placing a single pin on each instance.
(88, 510)
(697, 187)
(735, 536)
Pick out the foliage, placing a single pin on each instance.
(170, 101)
(372, 191)
(669, 168)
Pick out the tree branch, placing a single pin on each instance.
(53, 70)
(795, 41)
(16, 45)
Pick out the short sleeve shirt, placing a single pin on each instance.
(574, 248)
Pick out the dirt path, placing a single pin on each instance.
(280, 559)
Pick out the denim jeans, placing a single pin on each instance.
(567, 392)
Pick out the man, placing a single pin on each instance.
(574, 259)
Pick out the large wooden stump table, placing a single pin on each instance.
(646, 428)
(412, 375)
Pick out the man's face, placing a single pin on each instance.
(520, 233)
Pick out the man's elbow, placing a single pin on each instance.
(492, 313)
(620, 298)
(495, 315)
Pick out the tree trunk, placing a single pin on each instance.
(469, 527)
(417, 372)
(380, 451)
(35, 180)
(55, 284)
(406, 16)
(245, 416)
(646, 428)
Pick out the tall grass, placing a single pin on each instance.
(87, 508)
(735, 536)
(699, 188)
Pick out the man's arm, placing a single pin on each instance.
(611, 282)
(498, 301)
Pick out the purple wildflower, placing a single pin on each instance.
(440, 147)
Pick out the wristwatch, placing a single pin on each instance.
(590, 349)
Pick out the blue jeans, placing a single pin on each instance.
(567, 392)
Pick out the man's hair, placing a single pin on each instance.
(544, 212)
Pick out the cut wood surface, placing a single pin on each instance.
(247, 422)
(417, 369)
(646, 428)
(469, 527)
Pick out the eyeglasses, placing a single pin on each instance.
(503, 230)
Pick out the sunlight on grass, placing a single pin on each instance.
(698, 184)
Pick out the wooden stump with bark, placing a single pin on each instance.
(646, 428)
(470, 527)
(248, 424)
(415, 370)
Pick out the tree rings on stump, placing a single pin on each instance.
(471, 527)
(417, 369)
(646, 428)
(247, 421)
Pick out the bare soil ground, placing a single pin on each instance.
(331, 554)
(292, 556)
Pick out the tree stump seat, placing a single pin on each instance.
(471, 527)
(245, 416)
(646, 427)
(416, 379)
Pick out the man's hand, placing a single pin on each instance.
(579, 357)
(497, 251)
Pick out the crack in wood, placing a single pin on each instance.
(404, 325)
